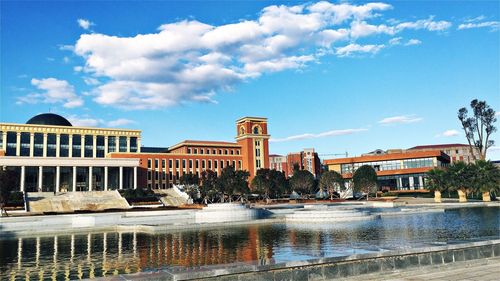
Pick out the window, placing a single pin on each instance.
(25, 144)
(201, 150)
(197, 164)
(133, 144)
(122, 144)
(189, 150)
(239, 165)
(215, 164)
(190, 164)
(77, 145)
(195, 151)
(63, 145)
(170, 176)
(208, 151)
(111, 144)
(221, 164)
(210, 164)
(89, 146)
(11, 144)
(203, 164)
(157, 163)
(183, 163)
(234, 164)
(51, 145)
(220, 151)
(232, 151)
(177, 163)
(149, 175)
(163, 164)
(256, 130)
(238, 152)
(225, 152)
(214, 151)
(149, 164)
(100, 147)
(170, 163)
(156, 175)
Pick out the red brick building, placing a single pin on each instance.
(456, 151)
(162, 167)
(307, 159)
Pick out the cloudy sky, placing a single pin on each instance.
(336, 76)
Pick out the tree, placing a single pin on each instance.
(269, 183)
(365, 179)
(8, 182)
(232, 182)
(331, 181)
(302, 181)
(189, 179)
(208, 186)
(478, 127)
(486, 178)
(461, 178)
(437, 181)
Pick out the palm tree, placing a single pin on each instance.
(437, 181)
(461, 178)
(486, 178)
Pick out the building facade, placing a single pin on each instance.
(456, 151)
(307, 160)
(51, 155)
(395, 171)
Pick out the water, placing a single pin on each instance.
(91, 255)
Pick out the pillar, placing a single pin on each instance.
(58, 144)
(45, 145)
(74, 178)
(90, 178)
(412, 186)
(70, 143)
(120, 186)
(82, 148)
(40, 178)
(32, 144)
(135, 177)
(22, 179)
(138, 144)
(94, 146)
(128, 144)
(106, 177)
(58, 178)
(4, 138)
(18, 143)
(106, 144)
(421, 182)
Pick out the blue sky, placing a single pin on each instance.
(336, 76)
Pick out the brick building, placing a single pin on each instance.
(456, 151)
(307, 159)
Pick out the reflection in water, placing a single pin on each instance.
(78, 256)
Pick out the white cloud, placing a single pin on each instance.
(412, 42)
(449, 133)
(85, 24)
(355, 48)
(493, 25)
(395, 41)
(87, 121)
(120, 122)
(497, 113)
(320, 135)
(52, 91)
(402, 119)
(190, 61)
(91, 81)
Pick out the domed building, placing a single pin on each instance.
(52, 155)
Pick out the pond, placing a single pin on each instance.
(90, 255)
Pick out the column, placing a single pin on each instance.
(94, 146)
(74, 178)
(421, 182)
(4, 138)
(105, 145)
(400, 183)
(40, 178)
(106, 177)
(18, 143)
(45, 145)
(70, 143)
(117, 144)
(82, 148)
(138, 144)
(412, 186)
(23, 172)
(120, 186)
(90, 178)
(128, 144)
(32, 144)
(58, 143)
(58, 178)
(135, 177)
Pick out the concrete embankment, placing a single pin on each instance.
(330, 268)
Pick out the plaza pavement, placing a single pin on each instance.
(473, 270)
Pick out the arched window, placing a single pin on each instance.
(256, 130)
(242, 130)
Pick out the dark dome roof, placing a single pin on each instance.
(49, 119)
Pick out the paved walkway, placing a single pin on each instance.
(476, 270)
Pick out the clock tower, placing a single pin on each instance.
(253, 138)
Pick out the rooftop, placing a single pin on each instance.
(438, 146)
(387, 157)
